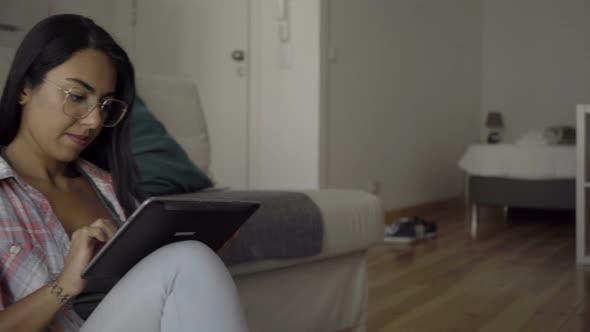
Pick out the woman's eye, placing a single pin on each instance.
(76, 97)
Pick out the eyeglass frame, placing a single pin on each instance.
(90, 108)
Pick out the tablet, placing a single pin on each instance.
(163, 220)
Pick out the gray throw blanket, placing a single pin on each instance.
(287, 225)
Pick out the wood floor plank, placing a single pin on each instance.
(514, 277)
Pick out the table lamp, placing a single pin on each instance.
(495, 123)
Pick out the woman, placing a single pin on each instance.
(67, 181)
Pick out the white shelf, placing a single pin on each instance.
(582, 195)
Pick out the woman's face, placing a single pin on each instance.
(91, 78)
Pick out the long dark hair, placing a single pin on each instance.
(49, 44)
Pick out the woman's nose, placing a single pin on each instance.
(94, 119)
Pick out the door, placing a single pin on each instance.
(206, 40)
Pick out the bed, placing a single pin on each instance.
(519, 175)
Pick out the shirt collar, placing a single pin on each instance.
(5, 169)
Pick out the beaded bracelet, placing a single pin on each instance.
(58, 291)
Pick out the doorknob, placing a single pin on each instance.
(238, 55)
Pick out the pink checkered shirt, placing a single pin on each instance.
(33, 243)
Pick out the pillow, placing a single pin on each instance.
(561, 135)
(533, 137)
(165, 167)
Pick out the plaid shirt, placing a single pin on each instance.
(33, 242)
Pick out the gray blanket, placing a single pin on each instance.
(287, 225)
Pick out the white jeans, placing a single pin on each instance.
(181, 287)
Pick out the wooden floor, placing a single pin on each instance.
(514, 277)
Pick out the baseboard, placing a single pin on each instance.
(424, 208)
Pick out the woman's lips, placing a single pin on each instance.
(79, 139)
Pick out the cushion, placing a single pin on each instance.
(175, 102)
(164, 165)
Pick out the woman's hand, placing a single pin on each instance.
(84, 244)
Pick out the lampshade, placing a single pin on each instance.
(494, 120)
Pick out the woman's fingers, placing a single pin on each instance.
(101, 230)
(107, 226)
(94, 232)
(85, 242)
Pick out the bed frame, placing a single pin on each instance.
(504, 192)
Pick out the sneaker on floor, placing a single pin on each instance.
(427, 229)
(402, 231)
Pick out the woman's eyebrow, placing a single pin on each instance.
(88, 86)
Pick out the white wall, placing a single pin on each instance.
(285, 101)
(403, 96)
(536, 62)
(22, 15)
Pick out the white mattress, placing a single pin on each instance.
(527, 162)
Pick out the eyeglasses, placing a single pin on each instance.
(75, 105)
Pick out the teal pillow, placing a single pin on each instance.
(165, 167)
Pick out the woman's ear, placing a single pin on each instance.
(25, 94)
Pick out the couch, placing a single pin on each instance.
(325, 292)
